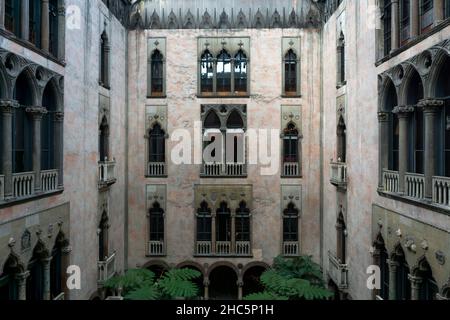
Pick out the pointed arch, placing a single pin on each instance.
(156, 214)
(223, 72)
(428, 288)
(157, 144)
(234, 120)
(207, 66)
(402, 283)
(35, 281)
(241, 71)
(212, 121)
(290, 72)
(223, 222)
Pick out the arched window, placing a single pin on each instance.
(387, 26)
(341, 140)
(404, 20)
(35, 281)
(104, 140)
(235, 151)
(47, 129)
(206, 72)
(35, 22)
(242, 222)
(290, 73)
(212, 121)
(382, 262)
(390, 101)
(341, 60)
(157, 73)
(56, 268)
(290, 143)
(157, 145)
(290, 223)
(53, 27)
(156, 223)
(22, 127)
(240, 72)
(103, 230)
(428, 286)
(204, 222)
(223, 223)
(223, 72)
(104, 60)
(402, 283)
(12, 16)
(341, 243)
(8, 284)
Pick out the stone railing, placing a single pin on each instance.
(415, 185)
(242, 248)
(49, 180)
(441, 191)
(2, 187)
(290, 248)
(106, 172)
(106, 268)
(337, 271)
(338, 174)
(203, 248)
(156, 248)
(156, 169)
(390, 180)
(60, 297)
(236, 169)
(291, 169)
(23, 184)
(212, 169)
(223, 247)
(224, 170)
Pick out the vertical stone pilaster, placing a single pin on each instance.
(45, 25)
(61, 30)
(65, 263)
(233, 233)
(414, 15)
(416, 283)
(213, 233)
(438, 13)
(393, 265)
(383, 154)
(36, 114)
(395, 27)
(431, 109)
(403, 113)
(25, 20)
(46, 289)
(106, 54)
(21, 280)
(58, 123)
(7, 109)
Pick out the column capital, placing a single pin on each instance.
(22, 276)
(415, 281)
(67, 250)
(392, 264)
(431, 105)
(59, 116)
(36, 112)
(206, 282)
(383, 116)
(403, 111)
(7, 105)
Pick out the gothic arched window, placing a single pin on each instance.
(240, 72)
(341, 243)
(341, 60)
(404, 20)
(387, 26)
(341, 140)
(103, 230)
(290, 143)
(47, 129)
(56, 271)
(390, 102)
(426, 14)
(157, 73)
(204, 221)
(156, 223)
(290, 224)
(206, 72)
(223, 223)
(53, 27)
(35, 22)
(223, 72)
(402, 283)
(428, 286)
(104, 140)
(290, 73)
(104, 60)
(242, 223)
(382, 262)
(157, 144)
(35, 281)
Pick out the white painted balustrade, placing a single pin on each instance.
(203, 248)
(338, 173)
(107, 171)
(290, 248)
(415, 185)
(291, 169)
(242, 248)
(441, 191)
(49, 180)
(236, 169)
(156, 248)
(23, 184)
(391, 181)
(107, 268)
(338, 272)
(223, 247)
(156, 169)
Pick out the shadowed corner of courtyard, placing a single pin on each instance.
(296, 278)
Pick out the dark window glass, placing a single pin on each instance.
(384, 268)
(8, 288)
(341, 239)
(426, 13)
(157, 72)
(223, 72)
(235, 121)
(156, 223)
(204, 223)
(404, 23)
(35, 22)
(290, 144)
(212, 121)
(103, 238)
(104, 140)
(157, 144)
(223, 223)
(56, 272)
(446, 127)
(403, 285)
(207, 72)
(242, 223)
(240, 72)
(290, 72)
(35, 281)
(53, 45)
(290, 223)
(47, 130)
(447, 9)
(419, 142)
(12, 16)
(428, 287)
(387, 25)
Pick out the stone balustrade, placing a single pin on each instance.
(23, 184)
(106, 172)
(441, 191)
(236, 169)
(223, 247)
(203, 248)
(243, 248)
(337, 271)
(156, 248)
(49, 180)
(156, 169)
(60, 297)
(391, 181)
(415, 185)
(224, 170)
(338, 174)
(291, 169)
(291, 248)
(106, 268)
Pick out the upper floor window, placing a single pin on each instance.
(156, 223)
(223, 72)
(240, 72)
(341, 60)
(402, 283)
(157, 73)
(104, 60)
(204, 222)
(53, 27)
(207, 72)
(223, 223)
(290, 230)
(12, 16)
(103, 231)
(341, 140)
(426, 14)
(387, 26)
(341, 243)
(157, 144)
(382, 260)
(405, 20)
(243, 222)
(156, 70)
(447, 8)
(48, 129)
(290, 73)
(104, 140)
(35, 22)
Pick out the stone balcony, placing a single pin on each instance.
(338, 174)
(337, 271)
(291, 170)
(106, 269)
(229, 170)
(157, 169)
(25, 185)
(106, 173)
(156, 248)
(223, 248)
(291, 248)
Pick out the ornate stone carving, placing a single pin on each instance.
(206, 21)
(189, 20)
(258, 20)
(172, 21)
(403, 110)
(224, 22)
(25, 241)
(276, 20)
(155, 22)
(241, 20)
(440, 257)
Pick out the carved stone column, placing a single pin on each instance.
(416, 283)
(213, 233)
(438, 8)
(25, 20)
(414, 17)
(36, 114)
(393, 265)
(64, 265)
(240, 285)
(383, 140)
(21, 280)
(46, 267)
(58, 123)
(45, 25)
(61, 30)
(431, 108)
(233, 233)
(2, 14)
(403, 113)
(7, 109)
(206, 287)
(395, 27)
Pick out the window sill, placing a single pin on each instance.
(163, 96)
(203, 176)
(162, 176)
(37, 196)
(291, 96)
(222, 256)
(291, 177)
(11, 36)
(426, 204)
(220, 96)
